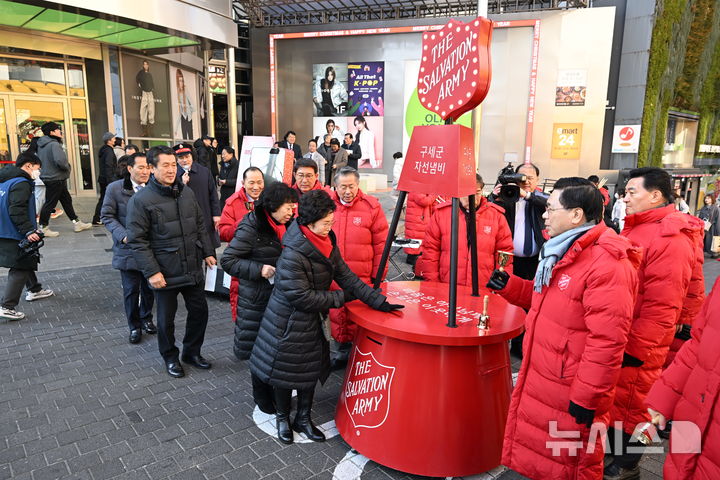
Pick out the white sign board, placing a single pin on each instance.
(626, 139)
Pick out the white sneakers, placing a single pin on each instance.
(79, 226)
(32, 296)
(11, 314)
(50, 233)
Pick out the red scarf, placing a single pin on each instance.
(323, 244)
(278, 227)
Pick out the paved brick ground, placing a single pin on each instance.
(77, 401)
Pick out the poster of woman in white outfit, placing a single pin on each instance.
(368, 134)
(184, 105)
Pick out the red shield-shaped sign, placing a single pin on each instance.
(440, 161)
(455, 69)
(367, 391)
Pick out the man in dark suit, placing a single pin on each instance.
(353, 149)
(290, 144)
(526, 224)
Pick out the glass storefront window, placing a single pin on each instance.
(5, 156)
(28, 76)
(30, 115)
(76, 81)
(80, 131)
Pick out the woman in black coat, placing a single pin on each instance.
(292, 350)
(711, 215)
(228, 174)
(251, 257)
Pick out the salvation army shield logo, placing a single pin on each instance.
(357, 221)
(455, 69)
(564, 281)
(367, 391)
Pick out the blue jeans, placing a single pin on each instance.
(138, 298)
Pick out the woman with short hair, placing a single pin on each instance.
(291, 351)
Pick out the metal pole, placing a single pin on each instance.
(482, 8)
(453, 264)
(390, 238)
(232, 98)
(473, 246)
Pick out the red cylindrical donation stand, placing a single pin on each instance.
(423, 398)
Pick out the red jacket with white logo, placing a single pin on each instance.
(419, 210)
(236, 207)
(492, 232)
(361, 230)
(575, 334)
(688, 393)
(669, 240)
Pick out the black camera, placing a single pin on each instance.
(30, 248)
(510, 181)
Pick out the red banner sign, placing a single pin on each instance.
(455, 70)
(440, 160)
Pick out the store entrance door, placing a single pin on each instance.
(30, 114)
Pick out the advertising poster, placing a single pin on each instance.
(217, 79)
(202, 103)
(368, 132)
(184, 105)
(335, 126)
(366, 89)
(626, 139)
(329, 89)
(146, 97)
(414, 112)
(571, 88)
(566, 141)
(249, 143)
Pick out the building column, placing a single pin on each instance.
(232, 98)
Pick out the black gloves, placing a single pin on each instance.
(582, 415)
(498, 280)
(630, 361)
(684, 332)
(348, 296)
(389, 307)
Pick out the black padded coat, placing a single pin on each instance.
(254, 244)
(290, 350)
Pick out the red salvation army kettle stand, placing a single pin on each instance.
(426, 391)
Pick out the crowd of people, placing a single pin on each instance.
(618, 333)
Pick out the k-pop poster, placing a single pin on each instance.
(145, 90)
(329, 89)
(185, 107)
(335, 126)
(366, 82)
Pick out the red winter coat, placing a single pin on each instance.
(689, 391)
(668, 239)
(236, 207)
(696, 291)
(361, 230)
(419, 210)
(575, 334)
(493, 234)
(317, 186)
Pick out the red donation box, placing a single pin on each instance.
(455, 69)
(423, 398)
(440, 160)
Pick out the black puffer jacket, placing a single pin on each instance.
(255, 244)
(166, 233)
(19, 211)
(290, 350)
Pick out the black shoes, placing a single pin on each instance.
(302, 422)
(196, 361)
(282, 398)
(174, 369)
(149, 327)
(615, 472)
(135, 336)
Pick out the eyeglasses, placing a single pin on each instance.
(303, 176)
(548, 209)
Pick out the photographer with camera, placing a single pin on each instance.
(524, 206)
(20, 238)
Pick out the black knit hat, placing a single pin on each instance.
(49, 127)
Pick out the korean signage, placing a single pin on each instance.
(626, 139)
(367, 82)
(571, 88)
(216, 79)
(566, 141)
(455, 69)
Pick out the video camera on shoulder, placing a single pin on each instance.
(510, 181)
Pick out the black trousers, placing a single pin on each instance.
(54, 192)
(623, 458)
(16, 280)
(138, 298)
(523, 267)
(98, 207)
(197, 318)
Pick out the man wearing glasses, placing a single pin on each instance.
(306, 176)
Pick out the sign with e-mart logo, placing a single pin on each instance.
(626, 139)
(566, 141)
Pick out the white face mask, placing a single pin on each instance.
(35, 174)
